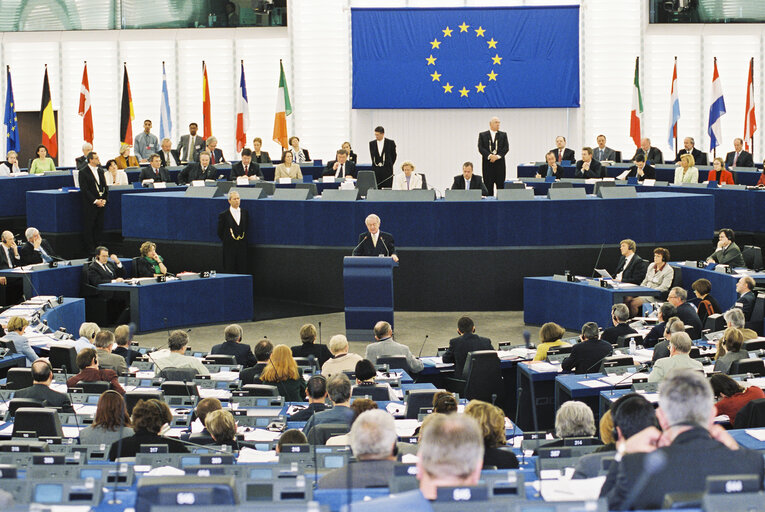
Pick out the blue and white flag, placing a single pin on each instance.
(165, 119)
(716, 110)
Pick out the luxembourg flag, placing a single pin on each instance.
(242, 114)
(637, 107)
(674, 108)
(716, 111)
(165, 119)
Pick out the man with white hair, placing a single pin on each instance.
(493, 146)
(82, 161)
(450, 455)
(679, 358)
(87, 339)
(36, 249)
(9, 258)
(232, 231)
(680, 457)
(374, 242)
(373, 441)
(735, 318)
(342, 360)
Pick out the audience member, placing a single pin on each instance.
(150, 264)
(719, 173)
(666, 311)
(216, 155)
(246, 167)
(631, 268)
(550, 169)
(107, 360)
(340, 167)
(588, 167)
(287, 169)
(262, 353)
(467, 341)
(651, 154)
(316, 393)
(386, 347)
(87, 362)
(15, 327)
(146, 143)
(125, 159)
(10, 166)
(149, 419)
(587, 355)
(573, 419)
(687, 171)
(114, 175)
(156, 170)
(342, 360)
(641, 170)
(42, 376)
(339, 391)
(603, 152)
(198, 171)
(690, 149)
(443, 403)
(685, 311)
(308, 346)
(735, 318)
(203, 408)
(87, 339)
(708, 305)
(291, 436)
(111, 422)
(358, 406)
(300, 155)
(746, 296)
(561, 152)
(738, 157)
(620, 313)
(123, 341)
(550, 336)
(658, 276)
(43, 163)
(729, 350)
(222, 428)
(233, 346)
(731, 396)
(727, 251)
(282, 371)
(679, 359)
(365, 378)
(259, 156)
(492, 422)
(353, 157)
(407, 179)
(661, 349)
(691, 448)
(36, 249)
(469, 181)
(174, 356)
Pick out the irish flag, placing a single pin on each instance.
(637, 107)
(206, 107)
(283, 109)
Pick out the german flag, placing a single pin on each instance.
(48, 121)
(126, 112)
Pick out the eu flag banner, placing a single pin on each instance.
(514, 57)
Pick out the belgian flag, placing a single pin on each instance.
(126, 110)
(48, 121)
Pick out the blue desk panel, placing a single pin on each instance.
(13, 199)
(723, 285)
(63, 280)
(70, 315)
(486, 223)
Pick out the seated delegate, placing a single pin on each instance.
(687, 172)
(727, 252)
(641, 170)
(340, 167)
(43, 163)
(719, 173)
(150, 264)
(258, 156)
(708, 305)
(550, 168)
(588, 167)
(16, 326)
(408, 179)
(550, 337)
(287, 169)
(659, 276)
(125, 159)
(114, 175)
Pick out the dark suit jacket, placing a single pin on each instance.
(216, 156)
(654, 155)
(388, 158)
(29, 256)
(596, 170)
(175, 154)
(252, 170)
(227, 225)
(147, 173)
(320, 352)
(485, 147)
(46, 395)
(97, 275)
(568, 154)
(80, 162)
(476, 183)
(747, 304)
(660, 350)
(264, 158)
(687, 313)
(586, 356)
(11, 261)
(132, 445)
(543, 171)
(143, 268)
(698, 156)
(90, 190)
(459, 347)
(635, 271)
(350, 168)
(251, 374)
(656, 332)
(194, 171)
(502, 459)
(305, 414)
(385, 245)
(649, 172)
(241, 351)
(613, 333)
(691, 457)
(129, 354)
(731, 255)
(744, 159)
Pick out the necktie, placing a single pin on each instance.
(735, 158)
(342, 171)
(246, 170)
(8, 256)
(188, 149)
(549, 171)
(560, 154)
(107, 269)
(44, 255)
(301, 157)
(212, 157)
(407, 182)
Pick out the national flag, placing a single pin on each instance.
(242, 114)
(165, 119)
(84, 110)
(637, 107)
(283, 109)
(716, 110)
(48, 120)
(126, 111)
(206, 116)
(13, 142)
(674, 108)
(750, 122)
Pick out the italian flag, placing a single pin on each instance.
(283, 109)
(637, 107)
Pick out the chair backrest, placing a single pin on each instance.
(16, 403)
(320, 433)
(483, 377)
(758, 314)
(86, 289)
(132, 397)
(424, 180)
(19, 378)
(752, 257)
(179, 374)
(376, 393)
(220, 359)
(94, 387)
(366, 180)
(395, 363)
(714, 322)
(261, 390)
(752, 345)
(43, 421)
(752, 415)
(9, 345)
(753, 366)
(63, 356)
(418, 399)
(177, 388)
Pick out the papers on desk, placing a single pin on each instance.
(249, 455)
(258, 434)
(71, 431)
(594, 383)
(436, 362)
(406, 428)
(166, 471)
(396, 409)
(651, 397)
(757, 433)
(89, 410)
(543, 367)
(225, 376)
(584, 489)
(613, 380)
(214, 393)
(520, 353)
(292, 409)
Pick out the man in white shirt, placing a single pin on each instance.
(340, 167)
(631, 268)
(174, 355)
(383, 153)
(146, 144)
(232, 231)
(167, 155)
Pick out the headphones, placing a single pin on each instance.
(615, 411)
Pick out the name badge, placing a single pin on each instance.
(242, 180)
(283, 181)
(198, 183)
(160, 184)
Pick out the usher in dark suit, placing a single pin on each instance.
(459, 348)
(92, 215)
(348, 170)
(744, 159)
(161, 175)
(383, 164)
(568, 154)
(635, 271)
(252, 170)
(493, 172)
(699, 157)
(234, 240)
(476, 183)
(385, 245)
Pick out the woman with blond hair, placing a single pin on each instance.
(150, 264)
(491, 419)
(687, 172)
(408, 179)
(125, 160)
(549, 336)
(282, 371)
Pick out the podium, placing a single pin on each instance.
(368, 292)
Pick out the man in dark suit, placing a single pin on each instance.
(308, 346)
(562, 152)
(262, 351)
(42, 376)
(641, 170)
(11, 292)
(746, 298)
(155, 171)
(631, 268)
(232, 231)
(190, 145)
(374, 242)
(246, 167)
(692, 449)
(493, 146)
(685, 311)
(316, 393)
(468, 341)
(738, 157)
(586, 356)
(123, 341)
(588, 167)
(619, 316)
(94, 192)
(198, 171)
(36, 249)
(652, 155)
(168, 156)
(108, 269)
(603, 152)
(727, 251)
(671, 326)
(690, 149)
(82, 161)
(216, 155)
(340, 167)
(233, 346)
(469, 181)
(550, 167)
(666, 311)
(383, 153)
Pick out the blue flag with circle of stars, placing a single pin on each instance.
(11, 122)
(515, 57)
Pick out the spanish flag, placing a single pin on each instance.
(126, 111)
(206, 115)
(48, 121)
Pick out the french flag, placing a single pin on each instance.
(242, 113)
(674, 109)
(716, 111)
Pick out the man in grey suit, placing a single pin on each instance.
(107, 360)
(603, 152)
(190, 145)
(42, 376)
(385, 347)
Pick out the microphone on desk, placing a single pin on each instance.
(422, 346)
(598, 260)
(527, 339)
(518, 393)
(319, 332)
(353, 252)
(597, 363)
(197, 445)
(384, 244)
(643, 367)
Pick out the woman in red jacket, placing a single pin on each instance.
(719, 174)
(732, 397)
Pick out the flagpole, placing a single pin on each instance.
(714, 149)
(751, 135)
(675, 129)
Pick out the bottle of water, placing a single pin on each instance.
(633, 347)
